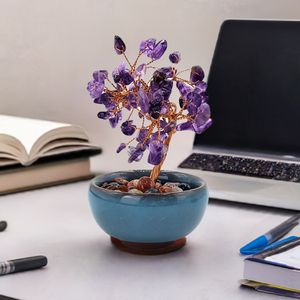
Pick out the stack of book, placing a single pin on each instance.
(275, 270)
(38, 153)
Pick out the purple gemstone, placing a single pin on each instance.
(106, 100)
(142, 133)
(95, 88)
(165, 108)
(157, 151)
(185, 126)
(131, 87)
(119, 87)
(163, 135)
(100, 76)
(119, 45)
(140, 72)
(141, 138)
(155, 106)
(126, 78)
(201, 85)
(192, 108)
(113, 121)
(150, 95)
(170, 127)
(183, 88)
(162, 123)
(203, 115)
(168, 71)
(154, 86)
(109, 104)
(128, 107)
(132, 100)
(181, 102)
(145, 145)
(200, 129)
(154, 136)
(204, 96)
(121, 147)
(175, 57)
(135, 153)
(105, 114)
(143, 101)
(166, 88)
(195, 98)
(159, 77)
(159, 50)
(197, 74)
(98, 100)
(117, 77)
(122, 75)
(148, 46)
(158, 95)
(120, 68)
(127, 128)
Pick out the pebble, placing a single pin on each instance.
(121, 180)
(184, 186)
(135, 191)
(165, 189)
(158, 185)
(176, 189)
(111, 187)
(114, 183)
(135, 182)
(122, 188)
(145, 185)
(171, 184)
(153, 191)
(130, 185)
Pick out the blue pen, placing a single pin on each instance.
(272, 235)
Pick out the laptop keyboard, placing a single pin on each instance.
(243, 166)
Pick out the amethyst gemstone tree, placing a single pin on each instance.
(160, 118)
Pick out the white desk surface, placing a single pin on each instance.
(83, 264)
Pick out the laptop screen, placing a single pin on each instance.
(254, 88)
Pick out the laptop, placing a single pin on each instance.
(251, 153)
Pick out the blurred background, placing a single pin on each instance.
(49, 50)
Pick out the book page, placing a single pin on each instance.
(7, 162)
(60, 146)
(290, 257)
(26, 130)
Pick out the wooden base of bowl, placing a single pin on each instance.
(148, 248)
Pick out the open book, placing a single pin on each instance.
(24, 140)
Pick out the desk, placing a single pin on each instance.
(83, 264)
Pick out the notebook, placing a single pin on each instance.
(251, 153)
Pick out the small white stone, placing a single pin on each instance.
(135, 191)
(176, 189)
(171, 184)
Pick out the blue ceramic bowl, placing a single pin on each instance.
(148, 218)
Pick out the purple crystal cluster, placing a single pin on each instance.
(151, 100)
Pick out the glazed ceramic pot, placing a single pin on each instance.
(148, 223)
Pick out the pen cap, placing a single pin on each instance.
(29, 263)
(257, 243)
